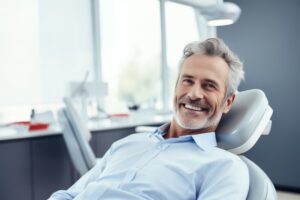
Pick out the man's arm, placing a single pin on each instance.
(229, 180)
(87, 178)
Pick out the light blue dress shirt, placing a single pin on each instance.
(147, 166)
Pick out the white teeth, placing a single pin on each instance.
(193, 107)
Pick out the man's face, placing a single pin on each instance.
(199, 95)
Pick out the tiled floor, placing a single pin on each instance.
(287, 196)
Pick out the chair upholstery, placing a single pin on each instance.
(261, 186)
(246, 121)
(76, 136)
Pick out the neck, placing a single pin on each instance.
(176, 131)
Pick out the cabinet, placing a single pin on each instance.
(15, 170)
(33, 168)
(51, 166)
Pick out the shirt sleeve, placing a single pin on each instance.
(81, 184)
(228, 180)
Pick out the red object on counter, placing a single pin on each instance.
(33, 126)
(119, 115)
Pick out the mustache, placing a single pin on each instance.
(197, 102)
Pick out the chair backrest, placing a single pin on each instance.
(76, 136)
(239, 130)
(261, 186)
(247, 120)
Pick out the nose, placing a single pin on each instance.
(195, 92)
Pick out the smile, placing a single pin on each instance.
(195, 108)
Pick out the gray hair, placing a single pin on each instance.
(217, 47)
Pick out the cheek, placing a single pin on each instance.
(180, 90)
(175, 101)
(178, 93)
(221, 104)
(215, 102)
(176, 96)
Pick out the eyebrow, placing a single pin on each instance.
(187, 76)
(215, 83)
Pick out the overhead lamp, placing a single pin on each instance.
(224, 13)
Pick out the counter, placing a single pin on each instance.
(93, 124)
(35, 164)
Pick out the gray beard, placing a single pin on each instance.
(205, 124)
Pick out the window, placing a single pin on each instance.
(44, 45)
(19, 39)
(130, 52)
(42, 51)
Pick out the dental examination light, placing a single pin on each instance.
(217, 14)
(224, 13)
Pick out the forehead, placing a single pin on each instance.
(206, 67)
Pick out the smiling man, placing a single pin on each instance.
(200, 99)
(180, 160)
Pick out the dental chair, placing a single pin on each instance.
(76, 136)
(239, 130)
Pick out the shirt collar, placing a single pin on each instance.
(204, 141)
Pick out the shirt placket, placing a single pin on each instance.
(158, 148)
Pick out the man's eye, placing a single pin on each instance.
(187, 81)
(209, 85)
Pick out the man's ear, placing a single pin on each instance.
(228, 103)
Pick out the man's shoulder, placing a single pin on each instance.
(226, 157)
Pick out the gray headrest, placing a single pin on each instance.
(248, 118)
